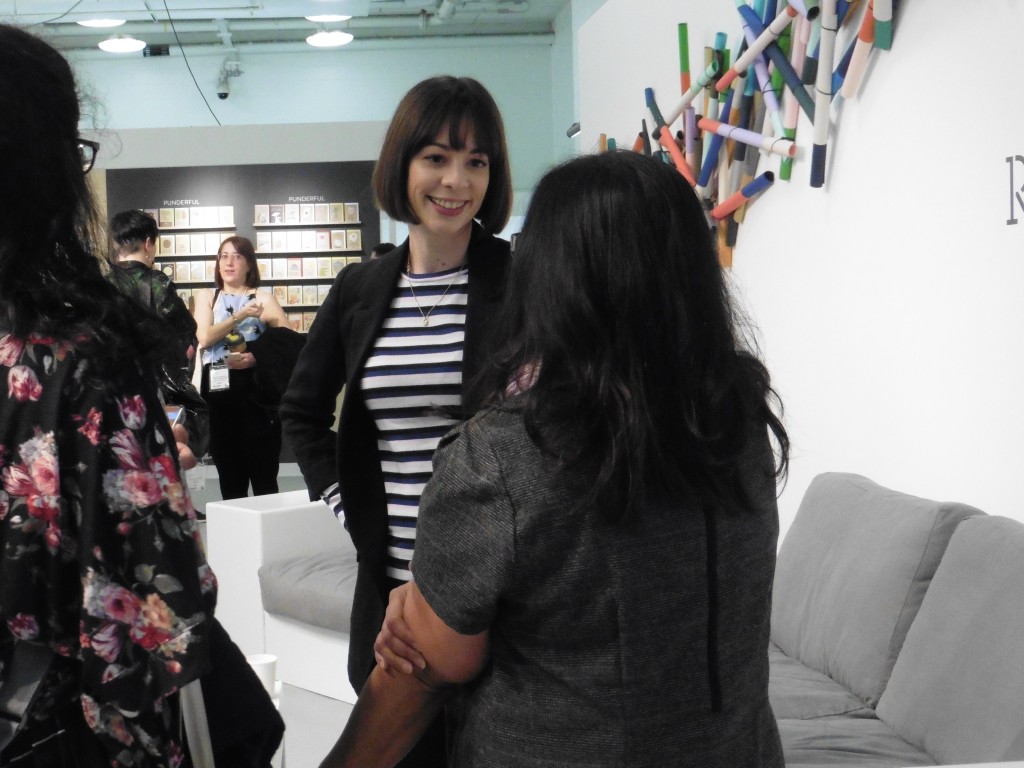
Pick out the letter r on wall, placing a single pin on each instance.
(1015, 193)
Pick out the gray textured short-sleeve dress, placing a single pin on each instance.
(611, 645)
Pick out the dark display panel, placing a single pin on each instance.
(325, 219)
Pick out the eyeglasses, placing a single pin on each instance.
(87, 151)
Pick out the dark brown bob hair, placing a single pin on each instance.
(462, 105)
(243, 246)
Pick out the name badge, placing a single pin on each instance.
(220, 380)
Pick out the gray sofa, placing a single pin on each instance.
(897, 631)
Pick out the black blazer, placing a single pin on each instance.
(339, 342)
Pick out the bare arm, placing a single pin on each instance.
(394, 709)
(273, 314)
(207, 331)
(186, 458)
(392, 712)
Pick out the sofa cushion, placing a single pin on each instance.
(850, 576)
(958, 686)
(797, 691)
(862, 742)
(314, 589)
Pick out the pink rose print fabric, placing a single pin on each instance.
(100, 554)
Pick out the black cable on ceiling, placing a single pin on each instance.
(58, 18)
(189, 66)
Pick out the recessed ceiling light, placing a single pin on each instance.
(327, 18)
(101, 22)
(329, 38)
(122, 44)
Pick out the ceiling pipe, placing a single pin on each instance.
(246, 8)
(365, 44)
(404, 21)
(154, 9)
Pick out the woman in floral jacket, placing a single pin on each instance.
(100, 555)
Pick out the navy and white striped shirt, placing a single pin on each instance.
(414, 368)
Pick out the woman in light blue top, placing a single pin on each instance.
(245, 441)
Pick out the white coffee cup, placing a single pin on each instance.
(265, 666)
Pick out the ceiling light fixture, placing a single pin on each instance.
(327, 18)
(122, 44)
(101, 23)
(331, 38)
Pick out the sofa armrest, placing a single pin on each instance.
(243, 534)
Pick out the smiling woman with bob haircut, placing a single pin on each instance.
(404, 334)
(457, 106)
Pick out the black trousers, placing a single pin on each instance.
(245, 727)
(62, 741)
(245, 440)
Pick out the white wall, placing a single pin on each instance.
(890, 302)
(353, 91)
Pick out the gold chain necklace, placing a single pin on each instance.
(426, 315)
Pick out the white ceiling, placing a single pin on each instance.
(237, 23)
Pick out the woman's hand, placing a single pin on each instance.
(240, 360)
(252, 309)
(395, 646)
(186, 458)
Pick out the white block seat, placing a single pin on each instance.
(308, 604)
(243, 536)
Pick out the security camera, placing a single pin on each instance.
(230, 68)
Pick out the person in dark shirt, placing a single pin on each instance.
(596, 547)
(135, 236)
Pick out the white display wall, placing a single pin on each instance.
(890, 302)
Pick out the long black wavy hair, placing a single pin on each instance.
(618, 312)
(52, 281)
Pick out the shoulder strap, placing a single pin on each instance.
(197, 726)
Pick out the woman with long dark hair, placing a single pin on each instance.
(596, 549)
(102, 571)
